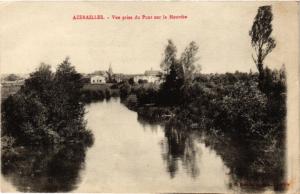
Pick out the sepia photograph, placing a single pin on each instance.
(149, 97)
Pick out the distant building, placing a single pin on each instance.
(153, 73)
(98, 79)
(101, 77)
(150, 76)
(137, 78)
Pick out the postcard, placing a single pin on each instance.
(149, 97)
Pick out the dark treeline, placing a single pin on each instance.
(46, 110)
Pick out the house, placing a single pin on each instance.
(98, 79)
(150, 76)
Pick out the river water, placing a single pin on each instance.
(129, 155)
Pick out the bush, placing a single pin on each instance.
(131, 101)
(125, 90)
(147, 95)
(107, 93)
(47, 110)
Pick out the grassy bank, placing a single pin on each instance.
(98, 92)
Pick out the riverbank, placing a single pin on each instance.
(97, 92)
(234, 110)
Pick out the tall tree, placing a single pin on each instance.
(169, 57)
(188, 60)
(261, 39)
(67, 107)
(172, 87)
(173, 76)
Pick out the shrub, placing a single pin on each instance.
(125, 90)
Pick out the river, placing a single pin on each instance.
(129, 155)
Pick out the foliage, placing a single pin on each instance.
(261, 39)
(131, 101)
(169, 57)
(178, 73)
(131, 81)
(125, 90)
(147, 94)
(47, 110)
(88, 96)
(99, 92)
(236, 118)
(188, 60)
(171, 89)
(12, 77)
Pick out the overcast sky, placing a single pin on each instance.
(36, 32)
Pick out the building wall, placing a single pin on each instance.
(98, 80)
(150, 79)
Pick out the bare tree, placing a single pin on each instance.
(261, 39)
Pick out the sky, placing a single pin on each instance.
(35, 32)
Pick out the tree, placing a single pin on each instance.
(188, 60)
(131, 81)
(66, 106)
(178, 73)
(261, 39)
(171, 89)
(47, 109)
(12, 77)
(125, 90)
(169, 57)
(24, 118)
(40, 83)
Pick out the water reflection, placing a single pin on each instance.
(154, 125)
(179, 146)
(164, 157)
(254, 164)
(36, 169)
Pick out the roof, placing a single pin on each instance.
(99, 73)
(93, 76)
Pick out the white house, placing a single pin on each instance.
(151, 76)
(98, 79)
